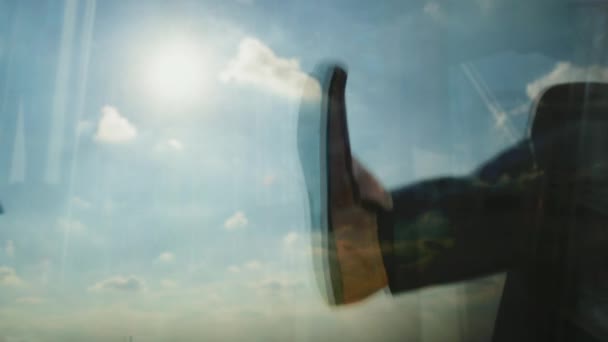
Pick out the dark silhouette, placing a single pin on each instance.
(537, 211)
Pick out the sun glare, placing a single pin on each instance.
(174, 73)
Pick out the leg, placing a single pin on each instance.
(453, 229)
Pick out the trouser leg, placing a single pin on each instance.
(452, 229)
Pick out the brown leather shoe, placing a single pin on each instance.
(343, 197)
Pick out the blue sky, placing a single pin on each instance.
(148, 162)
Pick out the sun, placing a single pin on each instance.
(174, 72)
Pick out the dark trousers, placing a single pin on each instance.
(508, 216)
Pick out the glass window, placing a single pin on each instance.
(150, 180)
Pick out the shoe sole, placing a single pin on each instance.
(314, 136)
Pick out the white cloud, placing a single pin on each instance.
(10, 248)
(257, 65)
(109, 206)
(429, 164)
(253, 265)
(486, 7)
(71, 225)
(30, 300)
(80, 203)
(567, 72)
(169, 146)
(175, 144)
(113, 128)
(119, 284)
(523, 108)
(8, 277)
(290, 239)
(269, 179)
(166, 257)
(168, 283)
(277, 286)
(76, 228)
(236, 221)
(433, 9)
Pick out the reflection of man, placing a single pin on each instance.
(538, 211)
